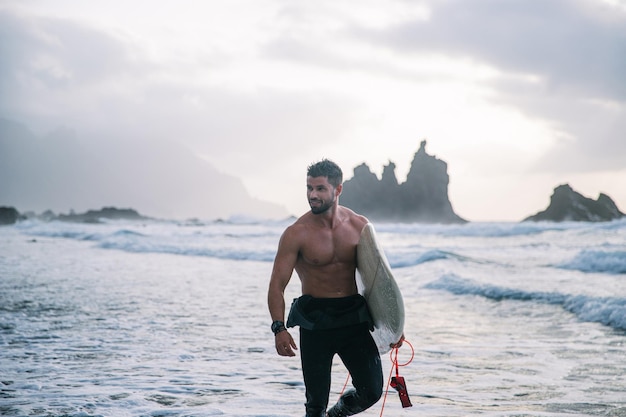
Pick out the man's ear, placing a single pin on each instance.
(338, 190)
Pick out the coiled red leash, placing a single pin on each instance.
(397, 382)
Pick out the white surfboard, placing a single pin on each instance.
(377, 285)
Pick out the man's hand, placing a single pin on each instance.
(285, 344)
(398, 344)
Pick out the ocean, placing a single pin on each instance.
(169, 318)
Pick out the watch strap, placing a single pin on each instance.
(278, 326)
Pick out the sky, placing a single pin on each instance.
(517, 96)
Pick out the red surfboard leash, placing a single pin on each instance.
(397, 382)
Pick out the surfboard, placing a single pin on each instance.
(377, 284)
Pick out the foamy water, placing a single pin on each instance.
(170, 318)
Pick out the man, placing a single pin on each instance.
(333, 317)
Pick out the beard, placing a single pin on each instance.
(322, 208)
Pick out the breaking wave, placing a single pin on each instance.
(609, 311)
(608, 262)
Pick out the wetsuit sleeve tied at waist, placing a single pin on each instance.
(329, 313)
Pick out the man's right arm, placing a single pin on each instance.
(284, 264)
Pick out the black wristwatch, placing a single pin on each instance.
(278, 326)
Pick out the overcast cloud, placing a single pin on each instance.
(517, 96)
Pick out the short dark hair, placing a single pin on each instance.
(326, 168)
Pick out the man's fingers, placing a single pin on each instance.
(398, 343)
(286, 350)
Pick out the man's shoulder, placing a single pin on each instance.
(299, 226)
(302, 221)
(358, 220)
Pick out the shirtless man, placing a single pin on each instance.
(333, 317)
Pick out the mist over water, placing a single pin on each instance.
(169, 319)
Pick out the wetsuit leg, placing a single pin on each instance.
(360, 356)
(316, 354)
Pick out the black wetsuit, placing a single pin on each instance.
(341, 326)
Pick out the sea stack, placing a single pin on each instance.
(422, 198)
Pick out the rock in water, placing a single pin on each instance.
(568, 205)
(8, 215)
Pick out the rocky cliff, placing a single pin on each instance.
(9, 215)
(568, 205)
(423, 197)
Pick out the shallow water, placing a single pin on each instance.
(160, 319)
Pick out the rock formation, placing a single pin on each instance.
(95, 216)
(9, 215)
(422, 198)
(568, 205)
